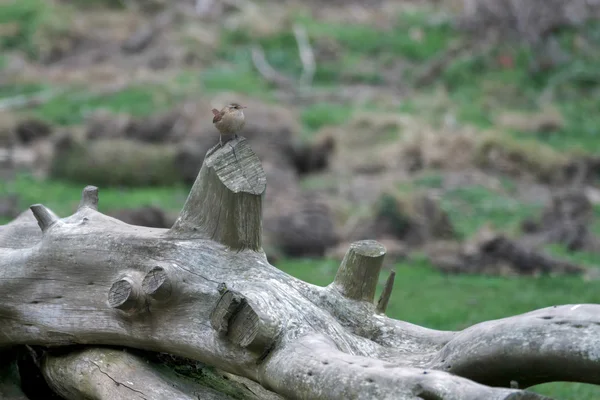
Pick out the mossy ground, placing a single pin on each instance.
(474, 89)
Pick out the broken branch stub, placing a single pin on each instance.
(226, 307)
(357, 276)
(157, 284)
(225, 203)
(235, 318)
(123, 295)
(44, 216)
(105, 373)
(89, 198)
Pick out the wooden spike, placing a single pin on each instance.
(386, 294)
(44, 216)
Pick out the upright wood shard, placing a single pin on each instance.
(44, 216)
(225, 203)
(358, 274)
(384, 299)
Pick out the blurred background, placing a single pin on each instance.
(463, 135)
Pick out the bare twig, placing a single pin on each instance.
(265, 69)
(306, 55)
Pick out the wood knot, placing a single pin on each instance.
(123, 295)
(235, 318)
(157, 284)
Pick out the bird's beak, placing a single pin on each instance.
(244, 107)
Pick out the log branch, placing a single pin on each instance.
(225, 203)
(560, 343)
(110, 374)
(313, 361)
(359, 272)
(45, 217)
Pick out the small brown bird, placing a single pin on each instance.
(229, 121)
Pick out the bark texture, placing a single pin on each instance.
(104, 373)
(204, 290)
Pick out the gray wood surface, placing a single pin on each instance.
(69, 282)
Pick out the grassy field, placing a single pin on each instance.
(474, 89)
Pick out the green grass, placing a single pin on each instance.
(63, 197)
(38, 22)
(318, 115)
(471, 207)
(479, 88)
(359, 44)
(71, 108)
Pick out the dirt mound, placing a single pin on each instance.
(532, 20)
(566, 220)
(29, 130)
(492, 253)
(113, 162)
(414, 218)
(150, 216)
(300, 224)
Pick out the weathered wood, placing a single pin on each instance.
(384, 299)
(110, 374)
(124, 294)
(300, 340)
(253, 329)
(359, 272)
(89, 198)
(45, 217)
(313, 361)
(226, 307)
(157, 284)
(225, 203)
(244, 325)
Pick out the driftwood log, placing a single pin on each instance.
(205, 291)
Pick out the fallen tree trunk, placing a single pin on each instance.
(204, 290)
(105, 373)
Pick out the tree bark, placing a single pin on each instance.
(105, 373)
(204, 290)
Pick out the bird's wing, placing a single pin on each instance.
(217, 115)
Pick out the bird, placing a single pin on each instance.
(229, 121)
